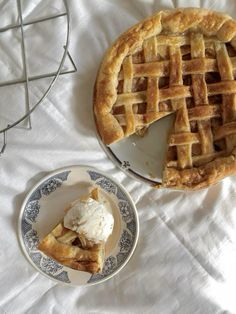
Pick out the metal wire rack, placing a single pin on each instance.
(26, 78)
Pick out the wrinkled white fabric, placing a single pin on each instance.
(186, 255)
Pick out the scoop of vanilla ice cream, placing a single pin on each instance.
(90, 218)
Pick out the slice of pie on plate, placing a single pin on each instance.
(179, 61)
(75, 249)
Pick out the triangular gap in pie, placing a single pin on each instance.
(73, 250)
(181, 61)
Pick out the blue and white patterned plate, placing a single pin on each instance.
(44, 207)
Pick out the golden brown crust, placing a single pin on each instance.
(190, 171)
(62, 245)
(90, 260)
(200, 177)
(175, 21)
(105, 93)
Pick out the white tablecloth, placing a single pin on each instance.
(186, 255)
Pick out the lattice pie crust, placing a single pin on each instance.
(183, 62)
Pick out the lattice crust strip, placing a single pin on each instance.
(181, 61)
(182, 125)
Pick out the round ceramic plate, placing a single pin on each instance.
(44, 207)
(142, 157)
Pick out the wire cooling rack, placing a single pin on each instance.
(21, 24)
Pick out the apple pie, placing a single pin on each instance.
(74, 249)
(179, 62)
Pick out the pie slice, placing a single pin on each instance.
(179, 61)
(72, 249)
